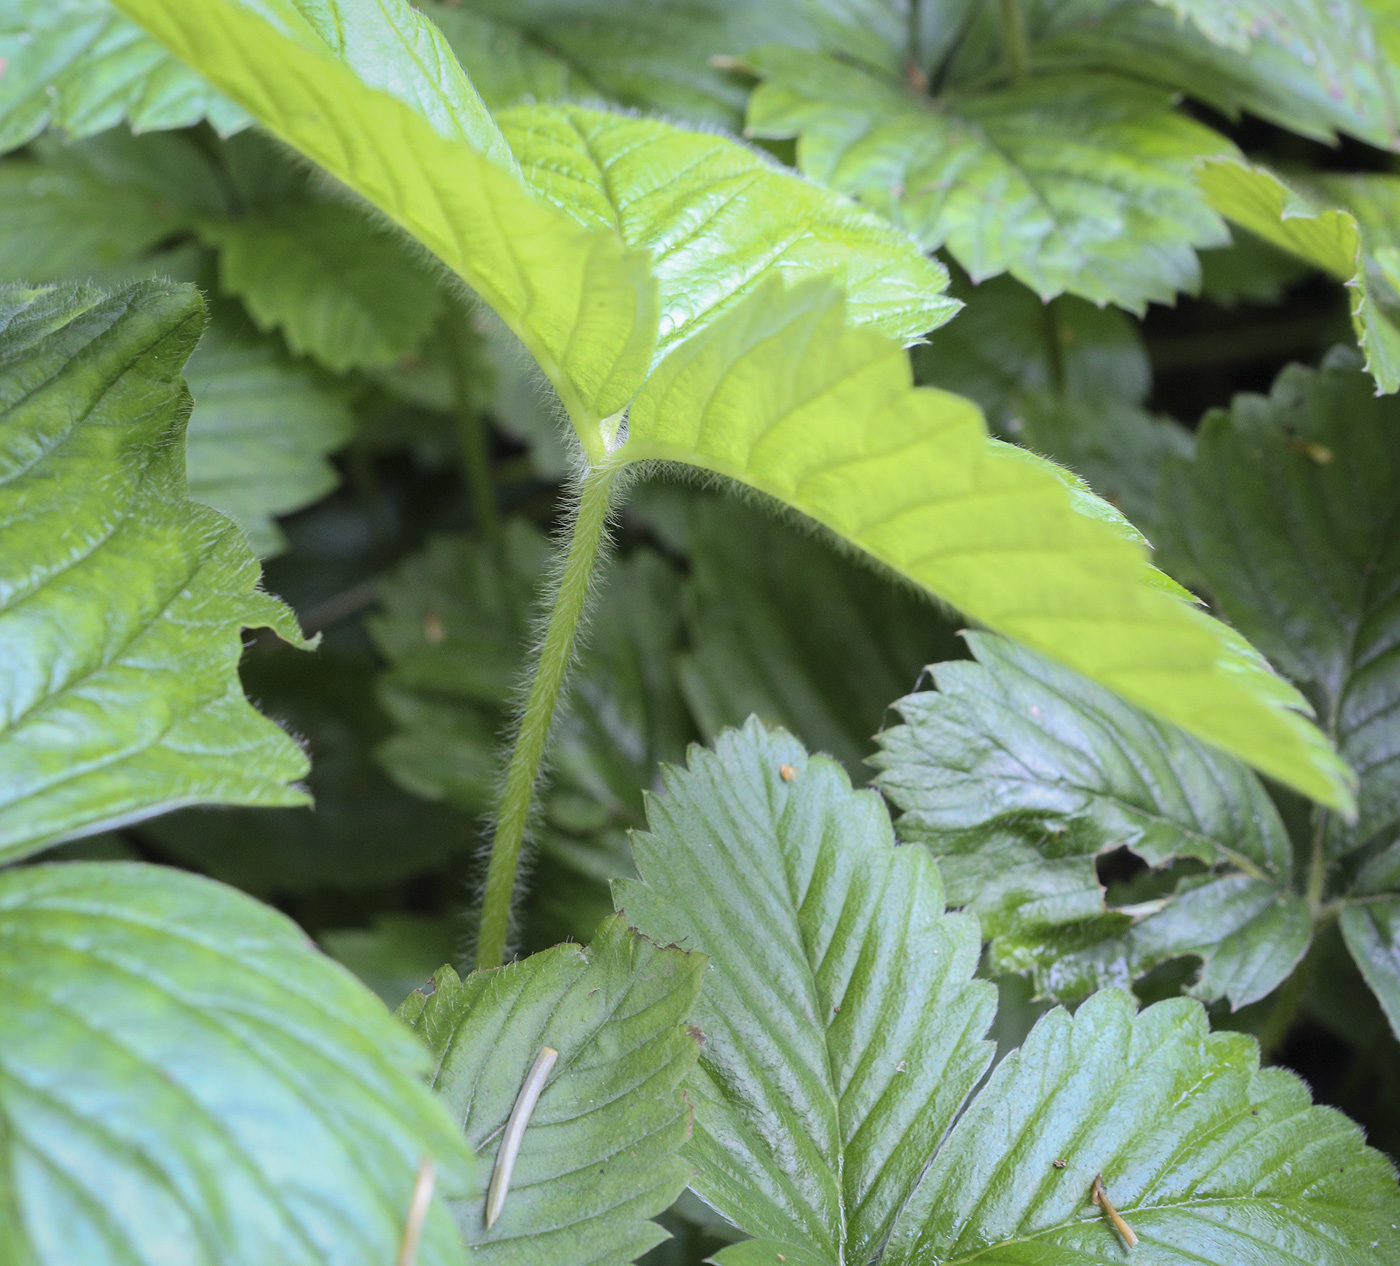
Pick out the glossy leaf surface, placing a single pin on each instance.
(121, 600)
(183, 1077)
(842, 1024)
(1017, 774)
(601, 1151)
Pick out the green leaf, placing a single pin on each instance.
(842, 1025)
(363, 830)
(262, 427)
(121, 600)
(782, 395)
(1053, 566)
(1313, 69)
(1119, 449)
(601, 1152)
(658, 57)
(1288, 514)
(1013, 740)
(89, 208)
(778, 619)
(1250, 270)
(184, 1078)
(337, 285)
(1070, 183)
(1328, 238)
(651, 182)
(455, 628)
(1007, 340)
(396, 953)
(77, 66)
(1371, 926)
(817, 1104)
(580, 301)
(1017, 773)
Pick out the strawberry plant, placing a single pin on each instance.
(935, 799)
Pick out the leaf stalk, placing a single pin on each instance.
(1015, 47)
(551, 668)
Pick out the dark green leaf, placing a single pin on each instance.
(1118, 448)
(121, 601)
(1289, 514)
(93, 207)
(183, 1078)
(601, 1152)
(456, 628)
(362, 830)
(1008, 340)
(780, 620)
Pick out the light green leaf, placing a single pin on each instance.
(77, 66)
(184, 1078)
(842, 1025)
(601, 1152)
(1071, 183)
(455, 628)
(78, 211)
(1007, 340)
(1016, 773)
(817, 1104)
(718, 220)
(339, 287)
(121, 601)
(1329, 239)
(778, 619)
(262, 427)
(1052, 565)
(362, 832)
(784, 396)
(1288, 514)
(581, 302)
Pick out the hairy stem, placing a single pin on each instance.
(565, 618)
(1013, 39)
(471, 429)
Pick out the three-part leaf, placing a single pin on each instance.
(780, 389)
(843, 1035)
(601, 1152)
(121, 600)
(184, 1078)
